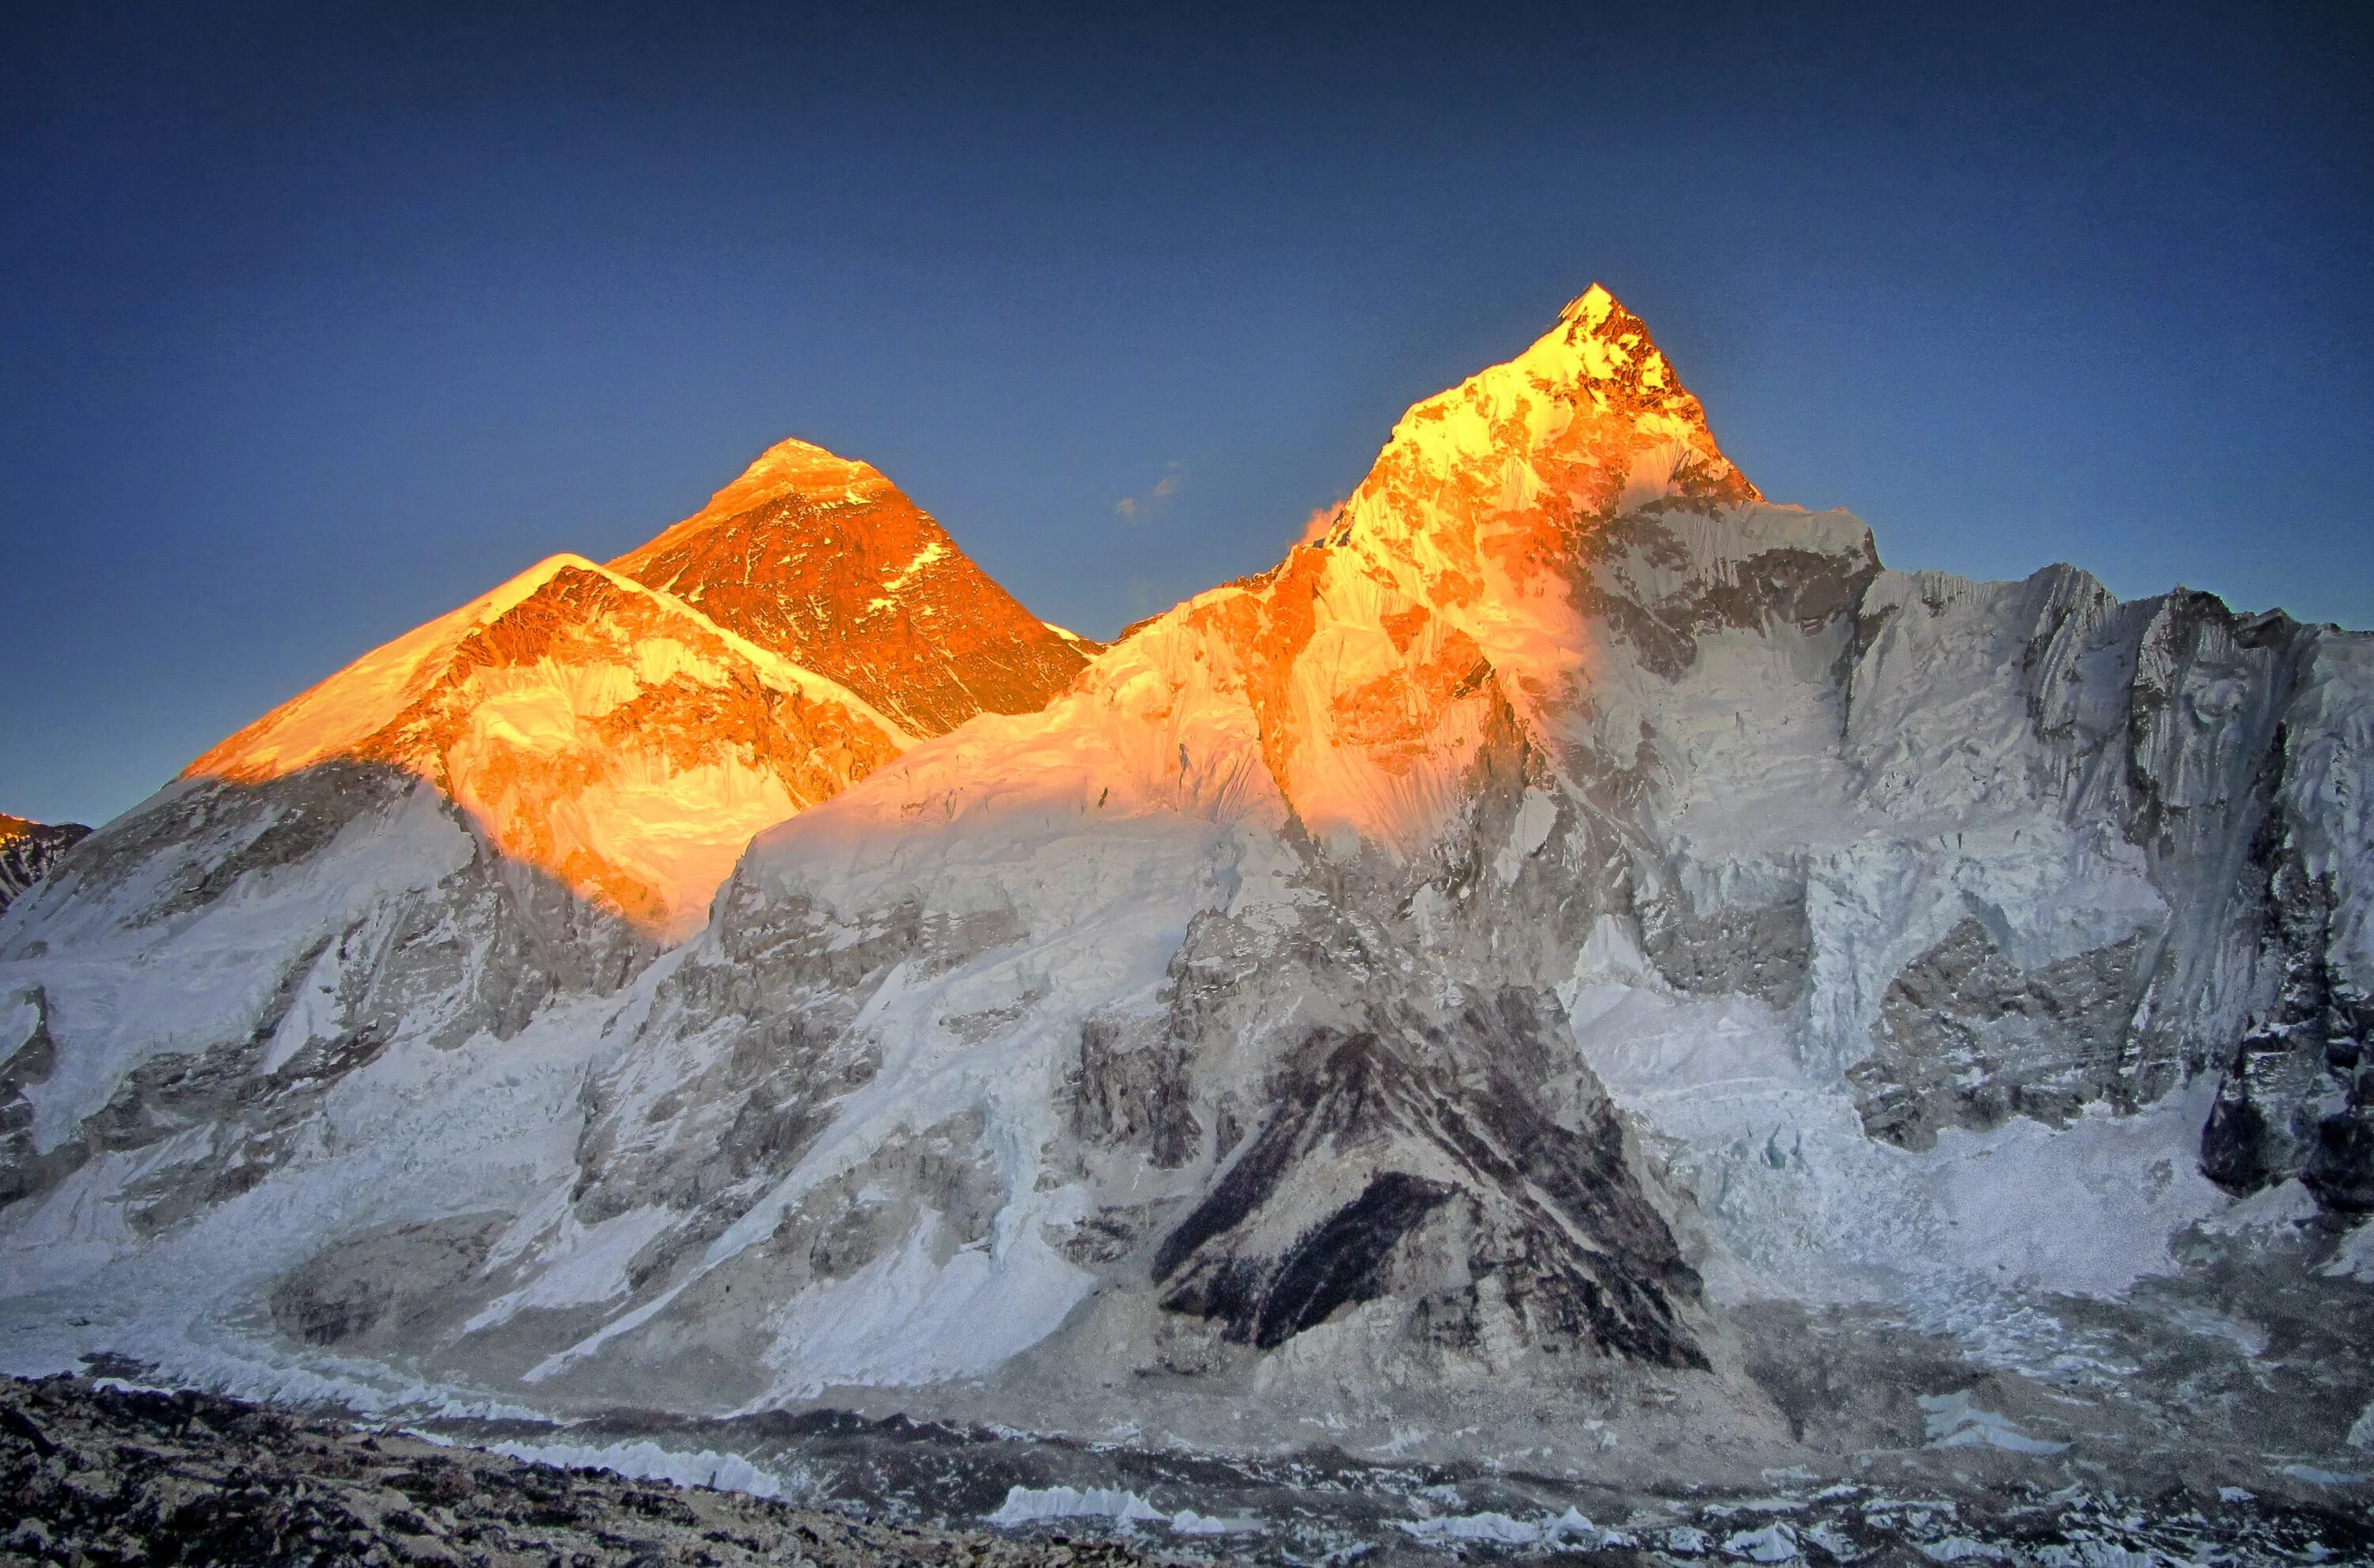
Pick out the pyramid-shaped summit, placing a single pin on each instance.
(1625, 371)
(823, 560)
(624, 730)
(1590, 419)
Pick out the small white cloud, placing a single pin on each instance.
(1132, 507)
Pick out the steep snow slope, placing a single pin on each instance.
(826, 562)
(28, 850)
(1575, 954)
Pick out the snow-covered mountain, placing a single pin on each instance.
(826, 562)
(517, 804)
(602, 732)
(1576, 962)
(29, 849)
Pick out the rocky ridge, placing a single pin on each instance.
(114, 1472)
(28, 850)
(602, 732)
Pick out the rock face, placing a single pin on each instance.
(826, 562)
(1568, 921)
(28, 850)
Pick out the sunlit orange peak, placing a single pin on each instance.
(791, 466)
(1591, 307)
(597, 729)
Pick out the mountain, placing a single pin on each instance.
(602, 732)
(28, 849)
(825, 562)
(503, 812)
(1580, 969)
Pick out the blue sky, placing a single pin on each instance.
(315, 326)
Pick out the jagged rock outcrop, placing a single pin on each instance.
(28, 850)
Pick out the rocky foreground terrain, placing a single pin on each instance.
(105, 1472)
(105, 1475)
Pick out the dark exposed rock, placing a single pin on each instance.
(1134, 1098)
(1968, 1039)
(1468, 1190)
(1107, 1235)
(1765, 954)
(100, 1475)
(2298, 1097)
(1340, 1263)
(28, 850)
(2340, 1170)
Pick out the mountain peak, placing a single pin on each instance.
(1609, 344)
(1599, 347)
(822, 560)
(597, 729)
(794, 465)
(1590, 419)
(1591, 307)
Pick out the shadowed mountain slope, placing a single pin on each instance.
(29, 849)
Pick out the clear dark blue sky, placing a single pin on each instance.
(316, 322)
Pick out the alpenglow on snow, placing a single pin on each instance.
(1576, 961)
